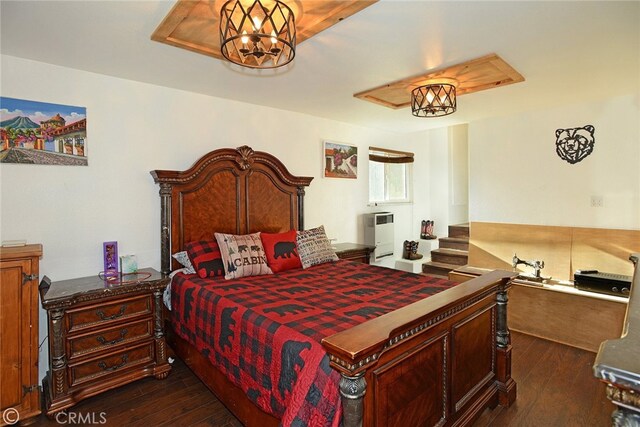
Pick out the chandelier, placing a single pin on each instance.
(257, 36)
(433, 100)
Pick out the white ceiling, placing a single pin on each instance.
(568, 52)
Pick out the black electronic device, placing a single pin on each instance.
(605, 283)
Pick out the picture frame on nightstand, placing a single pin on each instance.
(110, 254)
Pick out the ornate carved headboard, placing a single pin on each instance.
(229, 190)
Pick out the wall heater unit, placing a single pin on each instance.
(378, 232)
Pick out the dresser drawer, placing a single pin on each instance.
(108, 313)
(81, 345)
(110, 364)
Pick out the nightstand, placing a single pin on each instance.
(102, 334)
(354, 252)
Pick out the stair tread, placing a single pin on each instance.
(452, 252)
(455, 239)
(441, 265)
(439, 276)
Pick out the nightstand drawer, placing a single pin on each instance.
(107, 313)
(93, 342)
(110, 364)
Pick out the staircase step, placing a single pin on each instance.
(450, 256)
(460, 230)
(437, 268)
(460, 243)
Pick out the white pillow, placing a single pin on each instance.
(314, 247)
(184, 260)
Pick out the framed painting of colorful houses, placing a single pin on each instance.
(340, 160)
(41, 133)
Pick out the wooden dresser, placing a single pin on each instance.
(102, 334)
(354, 252)
(20, 394)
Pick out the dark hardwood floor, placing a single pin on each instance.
(556, 387)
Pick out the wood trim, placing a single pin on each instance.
(563, 249)
(487, 72)
(193, 24)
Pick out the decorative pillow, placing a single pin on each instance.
(314, 247)
(242, 255)
(183, 259)
(205, 257)
(281, 250)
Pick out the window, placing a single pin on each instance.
(389, 176)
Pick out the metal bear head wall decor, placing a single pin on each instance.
(575, 144)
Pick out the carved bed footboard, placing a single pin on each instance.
(439, 361)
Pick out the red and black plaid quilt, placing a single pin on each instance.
(264, 332)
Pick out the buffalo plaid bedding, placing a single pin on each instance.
(264, 332)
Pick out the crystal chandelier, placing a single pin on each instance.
(257, 36)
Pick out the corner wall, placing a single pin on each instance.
(517, 177)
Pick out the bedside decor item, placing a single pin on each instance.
(433, 100)
(574, 144)
(41, 133)
(102, 336)
(128, 264)
(340, 160)
(110, 253)
(254, 36)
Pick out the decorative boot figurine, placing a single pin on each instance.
(406, 250)
(430, 234)
(423, 229)
(414, 251)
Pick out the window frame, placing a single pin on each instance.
(390, 157)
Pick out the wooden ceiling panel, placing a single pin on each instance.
(195, 24)
(478, 74)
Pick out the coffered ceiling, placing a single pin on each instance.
(568, 52)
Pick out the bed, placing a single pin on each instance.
(439, 360)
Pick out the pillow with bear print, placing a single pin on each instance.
(205, 258)
(281, 250)
(242, 255)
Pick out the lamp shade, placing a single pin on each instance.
(256, 36)
(433, 100)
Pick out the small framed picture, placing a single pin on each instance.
(340, 160)
(110, 251)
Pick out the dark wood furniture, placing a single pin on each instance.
(102, 334)
(19, 269)
(439, 361)
(354, 252)
(618, 361)
(537, 309)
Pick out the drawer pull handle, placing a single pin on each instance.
(103, 316)
(103, 341)
(104, 366)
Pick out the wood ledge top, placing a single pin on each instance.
(13, 252)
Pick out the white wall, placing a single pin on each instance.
(135, 127)
(517, 177)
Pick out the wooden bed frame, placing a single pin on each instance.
(439, 361)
